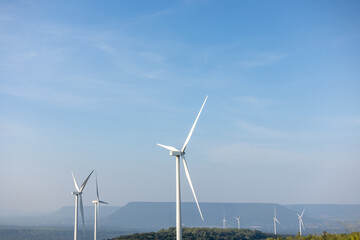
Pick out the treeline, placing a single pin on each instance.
(231, 234)
(324, 236)
(200, 234)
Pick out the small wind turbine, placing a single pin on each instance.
(177, 153)
(301, 221)
(78, 193)
(224, 222)
(97, 209)
(275, 220)
(238, 220)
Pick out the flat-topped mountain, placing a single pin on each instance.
(153, 216)
(157, 215)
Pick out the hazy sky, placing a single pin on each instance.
(96, 84)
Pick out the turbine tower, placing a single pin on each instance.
(177, 153)
(97, 209)
(301, 221)
(224, 222)
(275, 220)
(238, 220)
(78, 193)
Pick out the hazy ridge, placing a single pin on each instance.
(153, 216)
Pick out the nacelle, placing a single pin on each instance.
(175, 153)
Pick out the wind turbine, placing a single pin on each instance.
(301, 221)
(275, 220)
(238, 220)
(97, 209)
(78, 193)
(224, 222)
(177, 153)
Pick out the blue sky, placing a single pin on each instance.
(95, 85)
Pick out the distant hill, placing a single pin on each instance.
(158, 215)
(61, 218)
(342, 212)
(68, 211)
(153, 216)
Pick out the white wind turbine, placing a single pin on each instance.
(177, 153)
(301, 221)
(97, 209)
(78, 193)
(275, 220)
(238, 220)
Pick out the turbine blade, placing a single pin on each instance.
(302, 212)
(302, 223)
(193, 126)
(82, 213)
(191, 185)
(97, 189)
(170, 148)
(103, 202)
(84, 183)
(277, 221)
(298, 215)
(76, 186)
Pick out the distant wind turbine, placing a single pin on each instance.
(238, 220)
(275, 220)
(78, 193)
(177, 153)
(224, 222)
(301, 221)
(97, 209)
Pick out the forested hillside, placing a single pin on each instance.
(324, 236)
(200, 234)
(231, 234)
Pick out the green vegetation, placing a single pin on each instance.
(231, 234)
(200, 234)
(324, 236)
(16, 233)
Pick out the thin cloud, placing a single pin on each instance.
(260, 131)
(254, 101)
(106, 48)
(261, 60)
(47, 95)
(157, 14)
(152, 57)
(169, 11)
(131, 61)
(135, 63)
(120, 94)
(252, 154)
